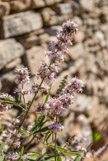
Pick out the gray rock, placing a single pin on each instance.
(87, 5)
(21, 23)
(53, 30)
(63, 8)
(38, 4)
(76, 51)
(9, 50)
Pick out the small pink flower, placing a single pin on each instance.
(22, 76)
(56, 127)
(3, 105)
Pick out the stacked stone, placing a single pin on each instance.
(27, 27)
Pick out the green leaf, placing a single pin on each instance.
(47, 136)
(43, 129)
(59, 157)
(19, 98)
(78, 158)
(34, 155)
(38, 123)
(65, 151)
(6, 100)
(49, 158)
(2, 128)
(47, 96)
(96, 136)
(23, 131)
(22, 151)
(43, 151)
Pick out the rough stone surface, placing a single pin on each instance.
(21, 23)
(9, 50)
(38, 4)
(49, 2)
(34, 57)
(63, 8)
(4, 9)
(76, 51)
(49, 17)
(20, 5)
(87, 5)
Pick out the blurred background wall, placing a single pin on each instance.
(27, 27)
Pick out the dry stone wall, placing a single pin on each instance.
(27, 27)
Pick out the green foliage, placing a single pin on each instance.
(48, 158)
(2, 128)
(65, 151)
(38, 124)
(96, 136)
(47, 136)
(8, 101)
(43, 129)
(59, 157)
(19, 98)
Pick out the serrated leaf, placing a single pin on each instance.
(38, 123)
(47, 96)
(2, 128)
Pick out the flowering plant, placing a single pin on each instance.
(50, 110)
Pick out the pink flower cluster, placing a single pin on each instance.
(47, 73)
(3, 105)
(57, 106)
(22, 91)
(14, 156)
(22, 76)
(12, 132)
(77, 143)
(56, 127)
(74, 86)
